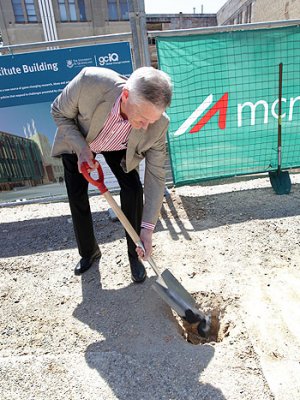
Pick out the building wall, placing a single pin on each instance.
(97, 23)
(275, 10)
(237, 11)
(179, 21)
(17, 33)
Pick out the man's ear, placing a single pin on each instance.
(123, 105)
(125, 94)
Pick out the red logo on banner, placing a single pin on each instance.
(221, 107)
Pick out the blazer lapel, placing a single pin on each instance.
(101, 113)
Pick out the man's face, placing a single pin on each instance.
(140, 115)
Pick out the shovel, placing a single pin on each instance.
(280, 180)
(166, 285)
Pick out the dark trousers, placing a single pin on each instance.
(131, 196)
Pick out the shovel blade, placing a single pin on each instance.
(166, 296)
(280, 181)
(175, 295)
(176, 287)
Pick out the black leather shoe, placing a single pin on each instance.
(138, 272)
(86, 263)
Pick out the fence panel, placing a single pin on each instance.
(224, 113)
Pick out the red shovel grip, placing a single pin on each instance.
(99, 183)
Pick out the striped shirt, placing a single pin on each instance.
(114, 136)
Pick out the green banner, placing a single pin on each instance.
(224, 112)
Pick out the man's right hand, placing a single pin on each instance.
(87, 156)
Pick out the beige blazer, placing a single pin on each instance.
(80, 112)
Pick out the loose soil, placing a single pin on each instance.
(233, 244)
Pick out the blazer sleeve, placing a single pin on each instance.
(154, 181)
(65, 110)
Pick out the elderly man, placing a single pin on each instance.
(100, 111)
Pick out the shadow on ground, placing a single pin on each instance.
(142, 354)
(203, 212)
(213, 211)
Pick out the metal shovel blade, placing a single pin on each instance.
(175, 286)
(176, 296)
(280, 181)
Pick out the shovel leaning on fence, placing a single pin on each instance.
(166, 285)
(280, 180)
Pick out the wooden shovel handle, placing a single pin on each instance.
(122, 217)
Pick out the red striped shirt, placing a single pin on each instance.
(114, 134)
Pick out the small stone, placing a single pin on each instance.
(112, 215)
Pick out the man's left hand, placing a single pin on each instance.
(146, 239)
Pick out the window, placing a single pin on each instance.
(1, 150)
(23, 152)
(151, 41)
(24, 11)
(112, 10)
(18, 10)
(118, 10)
(62, 10)
(124, 10)
(30, 10)
(72, 10)
(249, 12)
(240, 18)
(81, 7)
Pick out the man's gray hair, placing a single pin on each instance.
(150, 84)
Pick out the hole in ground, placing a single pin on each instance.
(220, 311)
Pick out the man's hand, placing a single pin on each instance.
(146, 239)
(87, 156)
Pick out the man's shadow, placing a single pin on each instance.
(142, 354)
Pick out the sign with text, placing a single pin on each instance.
(40, 76)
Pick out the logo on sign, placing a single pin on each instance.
(109, 59)
(70, 64)
(193, 124)
(220, 107)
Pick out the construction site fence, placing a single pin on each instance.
(224, 116)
